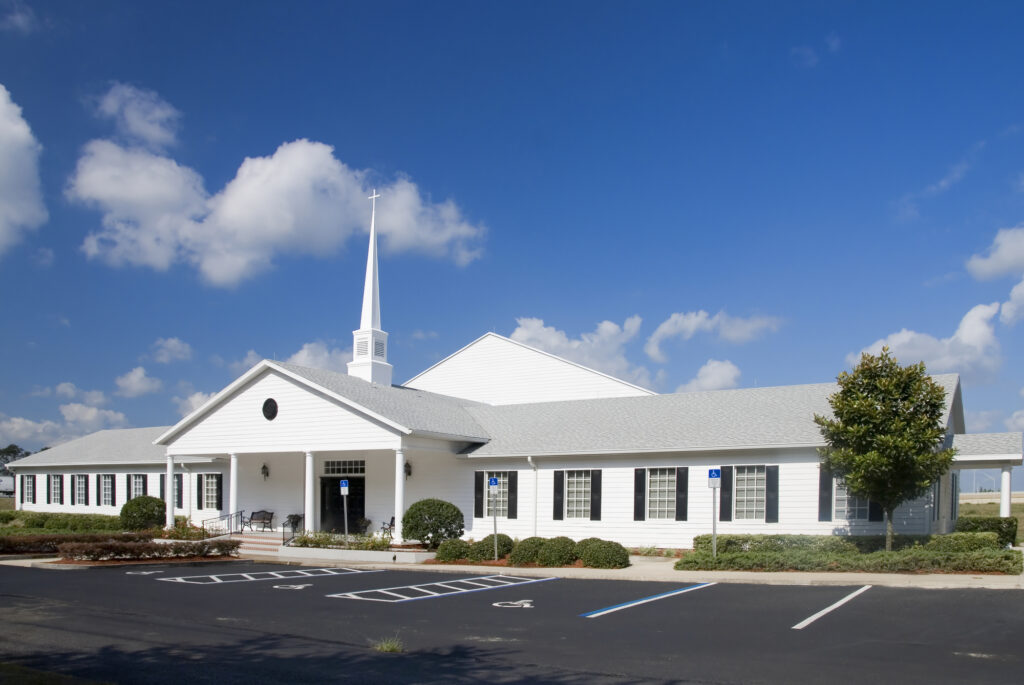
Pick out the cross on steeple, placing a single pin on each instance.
(369, 349)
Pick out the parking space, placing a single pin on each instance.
(600, 629)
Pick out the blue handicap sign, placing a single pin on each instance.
(714, 473)
(492, 482)
(344, 483)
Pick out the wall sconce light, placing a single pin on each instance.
(265, 470)
(408, 469)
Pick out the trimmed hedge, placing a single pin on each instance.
(1004, 527)
(560, 551)
(605, 554)
(823, 544)
(323, 539)
(100, 551)
(44, 519)
(962, 542)
(484, 549)
(142, 512)
(584, 544)
(453, 550)
(432, 521)
(902, 561)
(48, 544)
(526, 551)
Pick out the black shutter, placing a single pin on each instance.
(771, 494)
(682, 491)
(113, 489)
(49, 488)
(200, 499)
(129, 491)
(558, 510)
(74, 491)
(86, 502)
(875, 512)
(725, 501)
(99, 489)
(163, 486)
(824, 494)
(145, 484)
(595, 495)
(220, 492)
(513, 494)
(478, 494)
(179, 495)
(639, 494)
(22, 478)
(60, 482)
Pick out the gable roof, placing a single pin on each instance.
(750, 418)
(115, 446)
(405, 409)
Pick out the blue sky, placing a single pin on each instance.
(687, 195)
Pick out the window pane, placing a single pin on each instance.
(210, 486)
(80, 495)
(750, 492)
(108, 484)
(344, 467)
(849, 507)
(501, 498)
(577, 494)
(661, 493)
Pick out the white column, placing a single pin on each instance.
(399, 493)
(308, 508)
(1004, 492)
(233, 486)
(168, 492)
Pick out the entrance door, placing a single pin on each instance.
(332, 514)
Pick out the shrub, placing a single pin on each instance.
(7, 516)
(582, 546)
(453, 550)
(605, 554)
(47, 544)
(526, 551)
(908, 560)
(1004, 527)
(824, 544)
(962, 542)
(432, 521)
(560, 551)
(97, 551)
(484, 549)
(372, 543)
(143, 512)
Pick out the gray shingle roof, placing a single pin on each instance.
(124, 446)
(720, 419)
(971, 444)
(418, 410)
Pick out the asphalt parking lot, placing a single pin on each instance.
(247, 622)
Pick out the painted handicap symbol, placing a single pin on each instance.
(293, 587)
(141, 573)
(521, 604)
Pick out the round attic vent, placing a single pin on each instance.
(270, 409)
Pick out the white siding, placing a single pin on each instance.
(306, 420)
(496, 370)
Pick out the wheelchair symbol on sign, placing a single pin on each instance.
(521, 604)
(293, 587)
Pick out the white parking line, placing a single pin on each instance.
(409, 593)
(811, 619)
(264, 575)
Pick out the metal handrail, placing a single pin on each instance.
(296, 523)
(225, 524)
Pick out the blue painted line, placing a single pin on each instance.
(643, 600)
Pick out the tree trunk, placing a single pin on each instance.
(888, 530)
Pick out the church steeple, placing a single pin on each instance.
(370, 343)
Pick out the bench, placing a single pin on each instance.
(263, 519)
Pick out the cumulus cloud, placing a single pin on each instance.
(78, 420)
(318, 355)
(21, 198)
(19, 18)
(1016, 421)
(602, 350)
(714, 375)
(300, 200)
(685, 325)
(141, 116)
(1005, 256)
(90, 419)
(167, 350)
(187, 405)
(980, 421)
(136, 383)
(972, 351)
(68, 390)
(251, 359)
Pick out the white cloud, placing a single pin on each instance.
(714, 375)
(685, 325)
(1016, 421)
(44, 257)
(424, 335)
(980, 421)
(89, 419)
(1005, 256)
(68, 390)
(251, 359)
(167, 350)
(318, 356)
(136, 383)
(187, 405)
(804, 56)
(19, 19)
(300, 200)
(79, 420)
(972, 351)
(141, 116)
(602, 350)
(21, 198)
(907, 206)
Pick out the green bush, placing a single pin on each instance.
(560, 551)
(605, 554)
(824, 544)
(7, 516)
(526, 551)
(432, 521)
(1003, 526)
(582, 546)
(47, 544)
(453, 550)
(909, 560)
(98, 551)
(143, 512)
(483, 550)
(66, 522)
(962, 542)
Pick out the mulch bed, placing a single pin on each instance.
(133, 562)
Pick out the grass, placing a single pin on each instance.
(389, 644)
(992, 509)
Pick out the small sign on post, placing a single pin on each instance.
(492, 486)
(714, 482)
(343, 484)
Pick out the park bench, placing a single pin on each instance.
(263, 519)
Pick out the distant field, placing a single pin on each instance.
(6, 503)
(992, 509)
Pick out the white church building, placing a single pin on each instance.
(575, 452)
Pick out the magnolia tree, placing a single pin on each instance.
(886, 435)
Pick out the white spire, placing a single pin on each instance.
(370, 343)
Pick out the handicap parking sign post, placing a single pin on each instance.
(714, 482)
(492, 485)
(343, 484)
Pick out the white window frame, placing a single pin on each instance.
(749, 498)
(841, 504)
(81, 490)
(500, 497)
(211, 481)
(107, 490)
(56, 485)
(661, 493)
(138, 485)
(577, 494)
(29, 485)
(344, 467)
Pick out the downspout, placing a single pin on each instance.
(530, 461)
